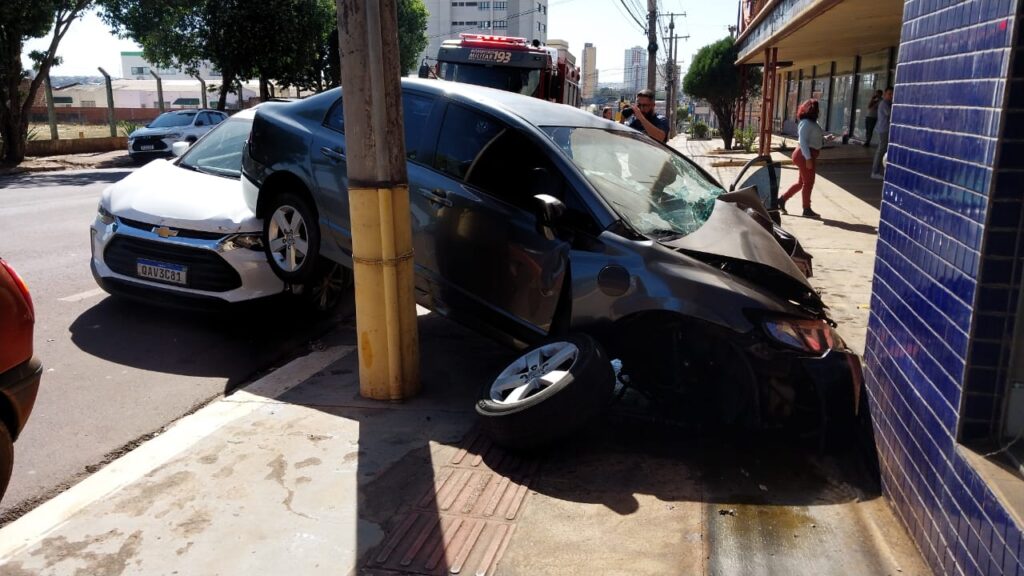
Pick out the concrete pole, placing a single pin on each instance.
(159, 90)
(378, 200)
(670, 101)
(652, 44)
(110, 103)
(51, 114)
(202, 89)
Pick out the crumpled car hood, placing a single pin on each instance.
(161, 193)
(732, 238)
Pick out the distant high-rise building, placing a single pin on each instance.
(589, 85)
(634, 69)
(448, 18)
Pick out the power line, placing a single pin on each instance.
(633, 16)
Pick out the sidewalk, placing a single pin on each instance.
(296, 474)
(115, 159)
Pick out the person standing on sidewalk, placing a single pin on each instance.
(884, 116)
(646, 120)
(811, 139)
(871, 118)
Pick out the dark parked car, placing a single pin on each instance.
(543, 225)
(20, 370)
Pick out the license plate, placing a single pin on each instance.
(162, 271)
(146, 147)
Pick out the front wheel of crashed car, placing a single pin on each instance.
(547, 393)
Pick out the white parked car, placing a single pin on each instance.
(179, 229)
(157, 137)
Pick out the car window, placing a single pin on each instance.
(464, 134)
(172, 119)
(335, 119)
(217, 118)
(220, 151)
(513, 169)
(415, 112)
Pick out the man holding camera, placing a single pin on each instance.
(645, 119)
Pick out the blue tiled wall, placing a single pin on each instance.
(946, 276)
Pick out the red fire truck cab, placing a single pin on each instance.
(512, 64)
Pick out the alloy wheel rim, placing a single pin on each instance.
(288, 238)
(534, 373)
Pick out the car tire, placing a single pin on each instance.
(522, 410)
(291, 238)
(329, 285)
(6, 458)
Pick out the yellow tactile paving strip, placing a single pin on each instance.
(464, 521)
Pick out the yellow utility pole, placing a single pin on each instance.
(378, 193)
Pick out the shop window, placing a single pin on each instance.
(820, 88)
(872, 76)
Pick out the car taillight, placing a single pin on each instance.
(20, 283)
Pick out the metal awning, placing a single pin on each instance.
(823, 30)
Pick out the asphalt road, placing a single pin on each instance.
(115, 372)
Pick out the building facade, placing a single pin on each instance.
(448, 18)
(135, 66)
(634, 69)
(589, 84)
(944, 355)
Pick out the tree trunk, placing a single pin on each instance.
(227, 80)
(723, 112)
(264, 88)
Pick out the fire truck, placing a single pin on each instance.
(508, 63)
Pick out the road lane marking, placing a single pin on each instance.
(179, 437)
(83, 295)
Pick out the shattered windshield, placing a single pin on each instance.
(657, 193)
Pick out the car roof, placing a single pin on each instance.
(534, 110)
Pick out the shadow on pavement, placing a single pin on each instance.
(229, 343)
(425, 477)
(854, 179)
(861, 228)
(66, 177)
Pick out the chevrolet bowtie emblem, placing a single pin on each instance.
(165, 232)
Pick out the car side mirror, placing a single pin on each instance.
(200, 123)
(179, 148)
(549, 209)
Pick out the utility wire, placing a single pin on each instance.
(633, 16)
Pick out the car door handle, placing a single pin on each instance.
(336, 153)
(438, 195)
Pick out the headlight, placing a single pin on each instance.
(248, 241)
(173, 135)
(814, 336)
(104, 215)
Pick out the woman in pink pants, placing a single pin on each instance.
(811, 139)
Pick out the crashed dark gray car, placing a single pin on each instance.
(583, 241)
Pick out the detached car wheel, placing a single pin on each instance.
(291, 238)
(547, 393)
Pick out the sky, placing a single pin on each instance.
(605, 23)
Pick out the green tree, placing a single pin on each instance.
(714, 77)
(412, 32)
(21, 20)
